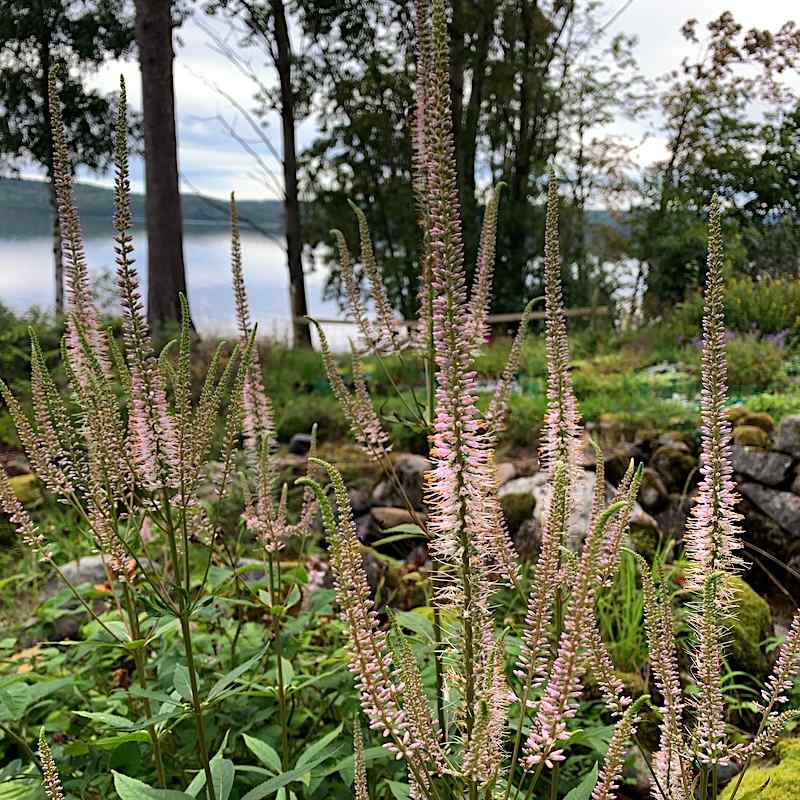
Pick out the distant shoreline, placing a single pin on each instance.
(96, 204)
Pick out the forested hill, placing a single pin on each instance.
(97, 203)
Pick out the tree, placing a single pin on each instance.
(518, 72)
(265, 23)
(731, 123)
(361, 63)
(75, 36)
(166, 274)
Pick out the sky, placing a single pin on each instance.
(214, 163)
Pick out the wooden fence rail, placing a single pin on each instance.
(588, 311)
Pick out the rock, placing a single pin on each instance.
(782, 507)
(644, 540)
(517, 509)
(300, 444)
(672, 519)
(28, 489)
(505, 472)
(617, 462)
(653, 494)
(762, 531)
(410, 470)
(787, 438)
(359, 501)
(390, 517)
(750, 436)
(538, 486)
(253, 570)
(674, 465)
(764, 466)
(675, 440)
(89, 569)
(758, 419)
(781, 781)
(750, 625)
(735, 413)
(796, 481)
(530, 484)
(68, 627)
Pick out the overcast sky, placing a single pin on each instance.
(214, 163)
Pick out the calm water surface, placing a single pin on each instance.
(26, 272)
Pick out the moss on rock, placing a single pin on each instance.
(757, 419)
(644, 540)
(27, 489)
(750, 436)
(674, 465)
(778, 782)
(517, 509)
(751, 625)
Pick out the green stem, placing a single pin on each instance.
(186, 635)
(536, 775)
(437, 662)
(85, 605)
(197, 706)
(276, 636)
(23, 745)
(141, 674)
(554, 779)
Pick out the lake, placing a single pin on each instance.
(26, 272)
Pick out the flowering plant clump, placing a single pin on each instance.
(128, 447)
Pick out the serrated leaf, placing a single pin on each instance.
(273, 785)
(264, 752)
(231, 677)
(415, 622)
(317, 747)
(131, 789)
(180, 680)
(111, 720)
(583, 791)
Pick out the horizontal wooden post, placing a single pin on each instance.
(588, 311)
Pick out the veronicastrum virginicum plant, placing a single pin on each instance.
(129, 451)
(465, 742)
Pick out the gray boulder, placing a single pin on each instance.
(300, 444)
(764, 466)
(787, 438)
(410, 470)
(782, 507)
(89, 569)
(538, 486)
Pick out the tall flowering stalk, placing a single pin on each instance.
(713, 533)
(82, 317)
(52, 780)
(266, 511)
(561, 430)
(467, 536)
(691, 751)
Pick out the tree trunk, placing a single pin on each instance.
(166, 276)
(291, 200)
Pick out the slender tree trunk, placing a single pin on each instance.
(166, 276)
(58, 259)
(291, 202)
